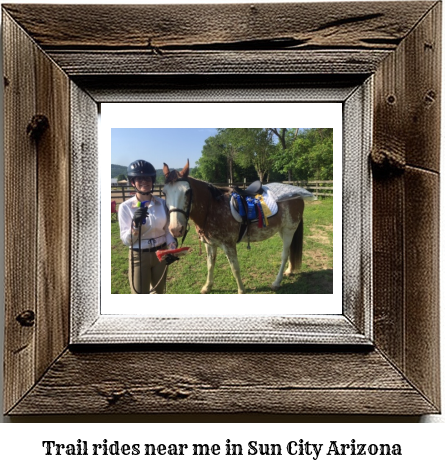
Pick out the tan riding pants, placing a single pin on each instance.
(153, 272)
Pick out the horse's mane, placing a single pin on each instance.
(173, 176)
(217, 191)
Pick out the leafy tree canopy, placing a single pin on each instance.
(269, 154)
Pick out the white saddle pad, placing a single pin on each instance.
(286, 191)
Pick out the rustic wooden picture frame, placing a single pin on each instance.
(78, 56)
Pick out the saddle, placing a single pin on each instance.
(247, 207)
(255, 188)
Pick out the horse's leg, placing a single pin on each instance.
(234, 265)
(286, 235)
(211, 258)
(296, 251)
(290, 271)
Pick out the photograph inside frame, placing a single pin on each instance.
(223, 211)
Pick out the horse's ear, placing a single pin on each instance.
(166, 170)
(185, 172)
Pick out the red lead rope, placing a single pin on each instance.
(176, 252)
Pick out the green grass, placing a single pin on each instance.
(259, 266)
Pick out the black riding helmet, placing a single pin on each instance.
(141, 168)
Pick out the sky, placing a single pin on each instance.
(158, 145)
(174, 132)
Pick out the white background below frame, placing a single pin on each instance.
(180, 115)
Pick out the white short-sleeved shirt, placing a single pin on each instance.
(154, 232)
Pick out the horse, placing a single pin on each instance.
(209, 208)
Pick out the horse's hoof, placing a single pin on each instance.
(241, 291)
(205, 290)
(275, 287)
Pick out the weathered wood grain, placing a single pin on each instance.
(275, 26)
(406, 135)
(85, 208)
(217, 87)
(423, 92)
(79, 63)
(37, 230)
(388, 268)
(422, 325)
(408, 84)
(89, 327)
(53, 212)
(228, 39)
(220, 382)
(357, 209)
(388, 154)
(20, 213)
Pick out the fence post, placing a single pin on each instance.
(123, 194)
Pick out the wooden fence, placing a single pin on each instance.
(123, 193)
(318, 188)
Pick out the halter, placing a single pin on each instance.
(185, 213)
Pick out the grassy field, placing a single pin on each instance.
(259, 266)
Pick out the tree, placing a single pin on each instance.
(309, 156)
(212, 165)
(121, 177)
(238, 153)
(321, 153)
(254, 146)
(285, 138)
(196, 172)
(230, 149)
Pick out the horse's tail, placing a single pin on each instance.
(296, 248)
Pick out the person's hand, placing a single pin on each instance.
(139, 216)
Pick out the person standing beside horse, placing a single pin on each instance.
(143, 223)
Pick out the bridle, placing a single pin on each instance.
(185, 213)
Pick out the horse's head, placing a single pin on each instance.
(178, 196)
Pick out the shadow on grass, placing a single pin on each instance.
(310, 282)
